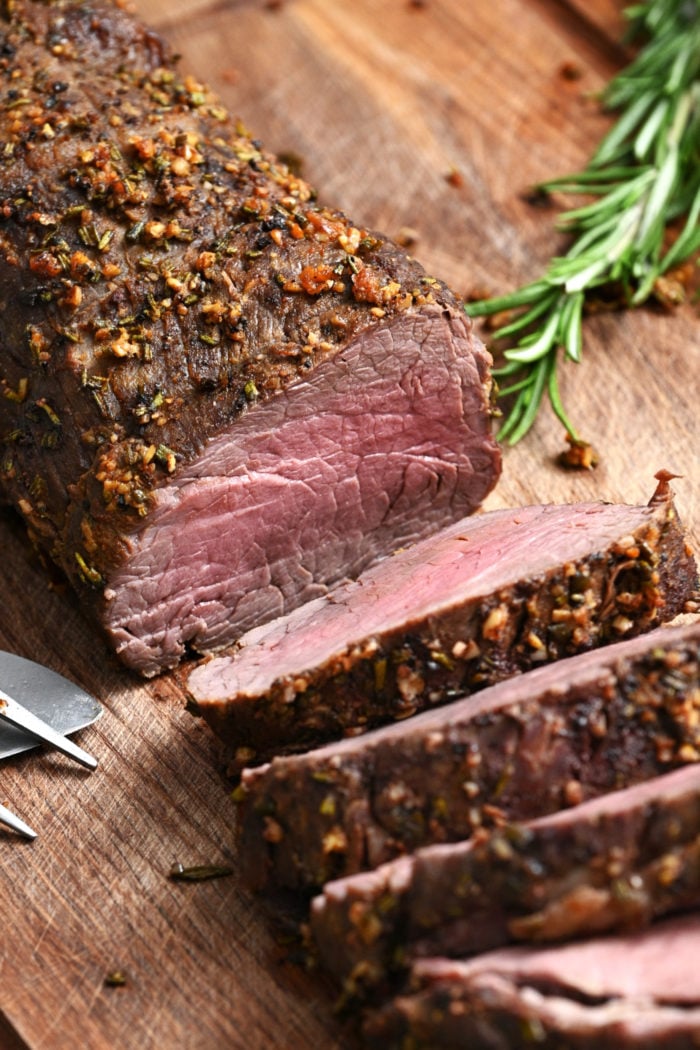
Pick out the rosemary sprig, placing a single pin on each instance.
(644, 176)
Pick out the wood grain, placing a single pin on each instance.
(382, 99)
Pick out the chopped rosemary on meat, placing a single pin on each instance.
(641, 225)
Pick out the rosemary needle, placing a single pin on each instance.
(644, 176)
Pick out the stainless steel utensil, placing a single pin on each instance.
(60, 703)
(23, 719)
(39, 706)
(8, 817)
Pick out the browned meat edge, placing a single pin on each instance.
(529, 746)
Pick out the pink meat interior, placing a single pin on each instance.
(379, 447)
(657, 964)
(465, 561)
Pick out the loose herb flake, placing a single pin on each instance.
(199, 873)
(116, 979)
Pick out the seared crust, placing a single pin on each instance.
(527, 747)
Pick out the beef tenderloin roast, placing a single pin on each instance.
(218, 395)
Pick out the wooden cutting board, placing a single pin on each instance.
(433, 116)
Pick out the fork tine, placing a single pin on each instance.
(8, 817)
(20, 717)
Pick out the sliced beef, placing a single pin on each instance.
(618, 861)
(217, 395)
(640, 991)
(526, 747)
(463, 609)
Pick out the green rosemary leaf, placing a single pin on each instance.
(529, 402)
(647, 135)
(585, 181)
(506, 391)
(653, 220)
(537, 345)
(622, 196)
(688, 241)
(530, 293)
(557, 405)
(525, 319)
(570, 326)
(614, 141)
(586, 240)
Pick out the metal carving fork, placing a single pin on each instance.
(66, 708)
(21, 718)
